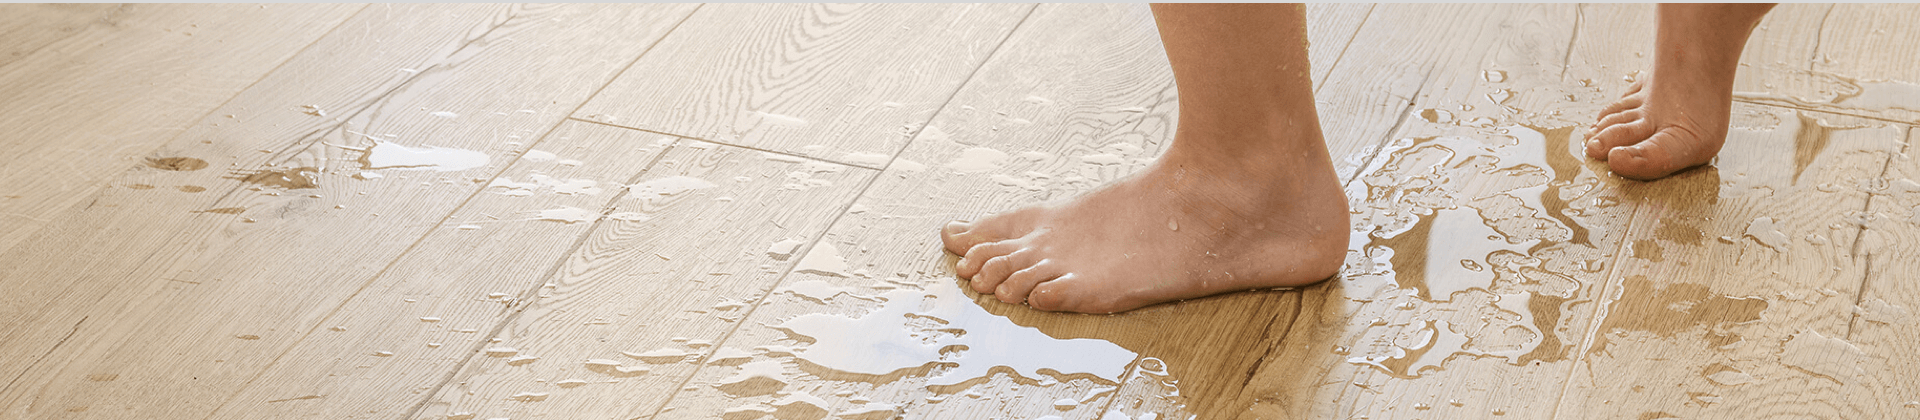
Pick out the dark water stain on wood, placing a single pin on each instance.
(176, 164)
(1546, 318)
(1647, 249)
(1667, 311)
(225, 210)
(191, 188)
(287, 179)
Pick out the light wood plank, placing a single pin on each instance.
(1730, 267)
(87, 89)
(833, 82)
(1847, 59)
(30, 27)
(436, 306)
(1884, 323)
(1063, 87)
(677, 279)
(1073, 79)
(164, 292)
(1486, 170)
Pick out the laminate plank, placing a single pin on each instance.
(30, 27)
(644, 299)
(1073, 82)
(167, 301)
(1849, 59)
(1480, 232)
(1883, 326)
(842, 83)
(402, 335)
(85, 90)
(1731, 277)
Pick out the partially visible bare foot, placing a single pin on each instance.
(1187, 227)
(1676, 117)
(1648, 135)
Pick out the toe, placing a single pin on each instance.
(977, 256)
(1618, 135)
(1663, 153)
(994, 273)
(954, 236)
(1019, 283)
(1071, 293)
(1057, 293)
(1623, 104)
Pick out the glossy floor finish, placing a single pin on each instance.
(730, 211)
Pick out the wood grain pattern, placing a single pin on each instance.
(1883, 325)
(1487, 150)
(1846, 59)
(437, 305)
(182, 264)
(678, 274)
(1727, 268)
(152, 276)
(832, 82)
(87, 89)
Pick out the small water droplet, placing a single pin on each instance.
(1495, 76)
(1173, 226)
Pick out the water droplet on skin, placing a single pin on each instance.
(1173, 226)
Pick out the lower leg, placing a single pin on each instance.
(1244, 198)
(1676, 117)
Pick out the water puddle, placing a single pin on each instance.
(182, 164)
(942, 329)
(388, 155)
(1822, 356)
(505, 185)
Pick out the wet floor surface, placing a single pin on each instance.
(765, 246)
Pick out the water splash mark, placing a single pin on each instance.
(181, 164)
(285, 179)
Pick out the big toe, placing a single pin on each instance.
(1660, 155)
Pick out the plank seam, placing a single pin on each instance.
(43, 356)
(777, 152)
(1343, 48)
(1593, 319)
(454, 371)
(1866, 276)
(842, 213)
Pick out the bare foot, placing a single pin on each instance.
(1648, 135)
(1676, 118)
(1184, 228)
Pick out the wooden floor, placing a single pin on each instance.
(729, 211)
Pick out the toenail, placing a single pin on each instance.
(1000, 290)
(961, 263)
